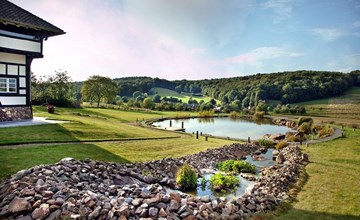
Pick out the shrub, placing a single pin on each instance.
(305, 127)
(325, 131)
(266, 143)
(186, 177)
(281, 145)
(223, 182)
(236, 166)
(301, 120)
(207, 113)
(233, 114)
(293, 138)
(259, 115)
(51, 109)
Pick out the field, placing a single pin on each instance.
(183, 96)
(329, 188)
(110, 135)
(345, 107)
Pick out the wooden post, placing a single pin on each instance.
(248, 139)
(182, 125)
(206, 138)
(201, 133)
(170, 123)
(197, 134)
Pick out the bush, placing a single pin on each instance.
(236, 166)
(301, 120)
(305, 127)
(325, 131)
(207, 113)
(293, 138)
(266, 143)
(233, 114)
(222, 182)
(281, 145)
(186, 177)
(51, 109)
(259, 115)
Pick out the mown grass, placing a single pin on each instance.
(86, 124)
(14, 159)
(146, 150)
(332, 190)
(183, 96)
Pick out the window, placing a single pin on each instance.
(8, 85)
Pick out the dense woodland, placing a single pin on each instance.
(236, 93)
(288, 87)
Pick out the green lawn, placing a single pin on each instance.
(87, 124)
(183, 96)
(15, 159)
(332, 190)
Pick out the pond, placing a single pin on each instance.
(226, 127)
(206, 190)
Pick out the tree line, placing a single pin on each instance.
(234, 93)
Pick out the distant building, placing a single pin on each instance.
(21, 40)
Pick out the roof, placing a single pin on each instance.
(13, 18)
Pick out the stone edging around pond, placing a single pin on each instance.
(99, 190)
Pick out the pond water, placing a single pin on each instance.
(226, 127)
(206, 190)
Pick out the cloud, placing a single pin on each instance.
(257, 56)
(282, 8)
(329, 34)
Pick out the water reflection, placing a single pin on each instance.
(227, 127)
(206, 120)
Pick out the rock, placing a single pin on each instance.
(251, 207)
(152, 201)
(174, 206)
(149, 179)
(124, 210)
(19, 206)
(277, 137)
(175, 196)
(280, 158)
(42, 212)
(162, 213)
(153, 212)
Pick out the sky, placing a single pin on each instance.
(197, 39)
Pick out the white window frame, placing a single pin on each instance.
(10, 84)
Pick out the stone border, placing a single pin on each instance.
(93, 189)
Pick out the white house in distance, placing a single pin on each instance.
(21, 40)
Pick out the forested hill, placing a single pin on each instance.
(289, 87)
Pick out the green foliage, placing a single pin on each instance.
(221, 182)
(288, 109)
(305, 127)
(186, 177)
(97, 88)
(56, 89)
(237, 166)
(293, 138)
(325, 131)
(266, 143)
(258, 115)
(233, 114)
(281, 145)
(208, 113)
(302, 119)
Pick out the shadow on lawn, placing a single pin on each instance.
(297, 214)
(17, 158)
